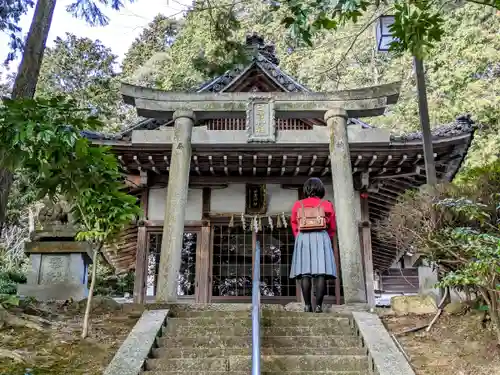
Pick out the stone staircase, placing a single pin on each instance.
(219, 342)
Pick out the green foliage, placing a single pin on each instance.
(418, 23)
(91, 12)
(110, 284)
(457, 229)
(10, 16)
(202, 49)
(417, 27)
(46, 129)
(46, 142)
(21, 197)
(84, 70)
(9, 280)
(12, 10)
(482, 249)
(157, 37)
(9, 300)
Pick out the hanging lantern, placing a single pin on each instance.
(383, 33)
(231, 222)
(270, 220)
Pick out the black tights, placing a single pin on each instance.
(306, 286)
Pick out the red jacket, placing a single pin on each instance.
(313, 202)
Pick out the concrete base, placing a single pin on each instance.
(53, 292)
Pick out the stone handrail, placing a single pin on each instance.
(385, 357)
(131, 356)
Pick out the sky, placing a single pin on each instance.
(123, 28)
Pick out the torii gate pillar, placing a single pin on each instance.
(347, 224)
(175, 207)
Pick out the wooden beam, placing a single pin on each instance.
(201, 181)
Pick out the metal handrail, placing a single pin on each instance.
(256, 312)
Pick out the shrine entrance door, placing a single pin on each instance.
(232, 257)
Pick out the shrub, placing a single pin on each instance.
(456, 228)
(9, 280)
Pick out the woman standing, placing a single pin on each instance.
(313, 225)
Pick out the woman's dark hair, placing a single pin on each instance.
(314, 188)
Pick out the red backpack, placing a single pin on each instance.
(311, 218)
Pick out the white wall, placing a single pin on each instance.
(156, 204)
(280, 200)
(228, 200)
(232, 199)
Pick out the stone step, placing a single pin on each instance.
(166, 351)
(248, 314)
(239, 330)
(272, 363)
(223, 341)
(284, 320)
(331, 372)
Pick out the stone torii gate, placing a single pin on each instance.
(261, 110)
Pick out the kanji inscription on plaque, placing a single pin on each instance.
(260, 125)
(54, 268)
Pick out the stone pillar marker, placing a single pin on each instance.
(344, 199)
(175, 207)
(59, 263)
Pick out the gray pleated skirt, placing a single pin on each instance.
(313, 255)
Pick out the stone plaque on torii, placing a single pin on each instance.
(260, 111)
(260, 121)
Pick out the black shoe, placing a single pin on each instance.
(318, 309)
(308, 308)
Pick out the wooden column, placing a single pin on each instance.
(175, 207)
(203, 261)
(367, 250)
(141, 252)
(203, 266)
(140, 265)
(345, 201)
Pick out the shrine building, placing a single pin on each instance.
(219, 168)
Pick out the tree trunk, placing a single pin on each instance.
(85, 328)
(495, 313)
(27, 78)
(6, 180)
